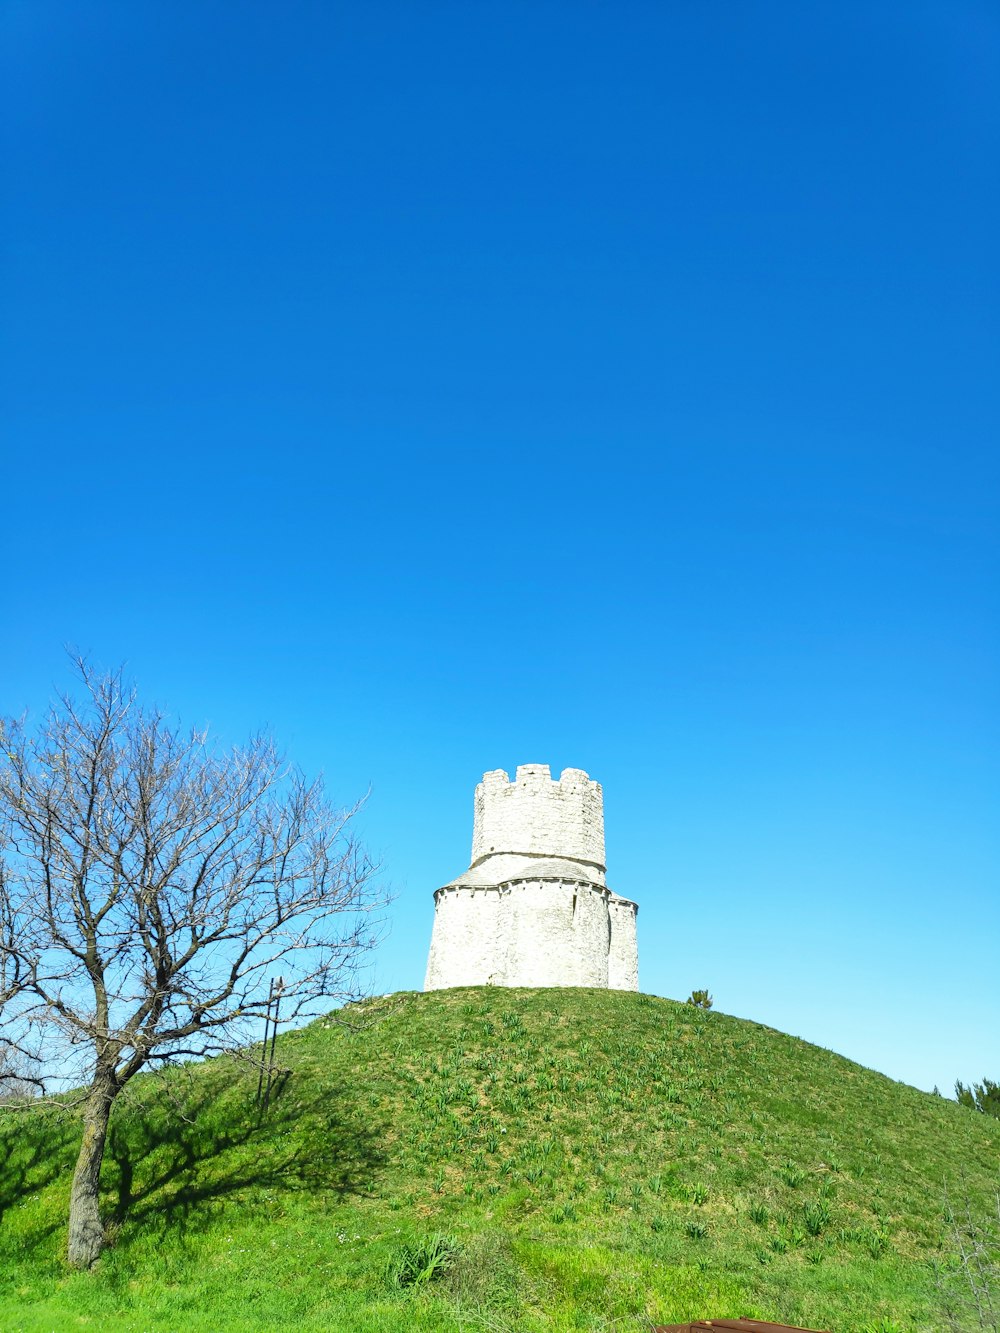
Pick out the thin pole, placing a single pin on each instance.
(263, 1049)
(274, 1037)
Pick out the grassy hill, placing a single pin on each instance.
(598, 1159)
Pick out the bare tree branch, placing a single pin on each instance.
(151, 884)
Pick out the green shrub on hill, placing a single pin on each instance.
(983, 1097)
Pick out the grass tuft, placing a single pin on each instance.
(418, 1262)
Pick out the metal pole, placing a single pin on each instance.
(263, 1049)
(274, 1037)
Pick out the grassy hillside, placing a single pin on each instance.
(600, 1160)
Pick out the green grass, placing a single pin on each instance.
(557, 1160)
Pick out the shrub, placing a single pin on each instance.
(418, 1262)
(968, 1284)
(983, 1097)
(792, 1176)
(876, 1242)
(816, 1216)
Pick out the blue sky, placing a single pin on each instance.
(453, 386)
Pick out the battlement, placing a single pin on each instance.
(535, 774)
(536, 814)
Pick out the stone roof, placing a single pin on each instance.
(485, 874)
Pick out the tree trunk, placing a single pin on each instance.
(86, 1235)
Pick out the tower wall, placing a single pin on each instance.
(467, 928)
(623, 951)
(556, 934)
(539, 815)
(526, 933)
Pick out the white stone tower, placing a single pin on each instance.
(533, 909)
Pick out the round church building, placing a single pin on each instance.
(534, 908)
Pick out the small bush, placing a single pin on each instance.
(421, 1261)
(700, 999)
(816, 1217)
(983, 1097)
(968, 1283)
(792, 1175)
(759, 1214)
(876, 1243)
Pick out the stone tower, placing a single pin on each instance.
(533, 908)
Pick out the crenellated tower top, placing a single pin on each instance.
(538, 815)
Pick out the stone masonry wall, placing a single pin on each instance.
(463, 946)
(623, 953)
(528, 933)
(538, 815)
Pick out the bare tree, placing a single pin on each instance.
(151, 884)
(968, 1282)
(19, 1065)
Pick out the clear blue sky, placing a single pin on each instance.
(450, 386)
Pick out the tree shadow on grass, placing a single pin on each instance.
(169, 1169)
(37, 1146)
